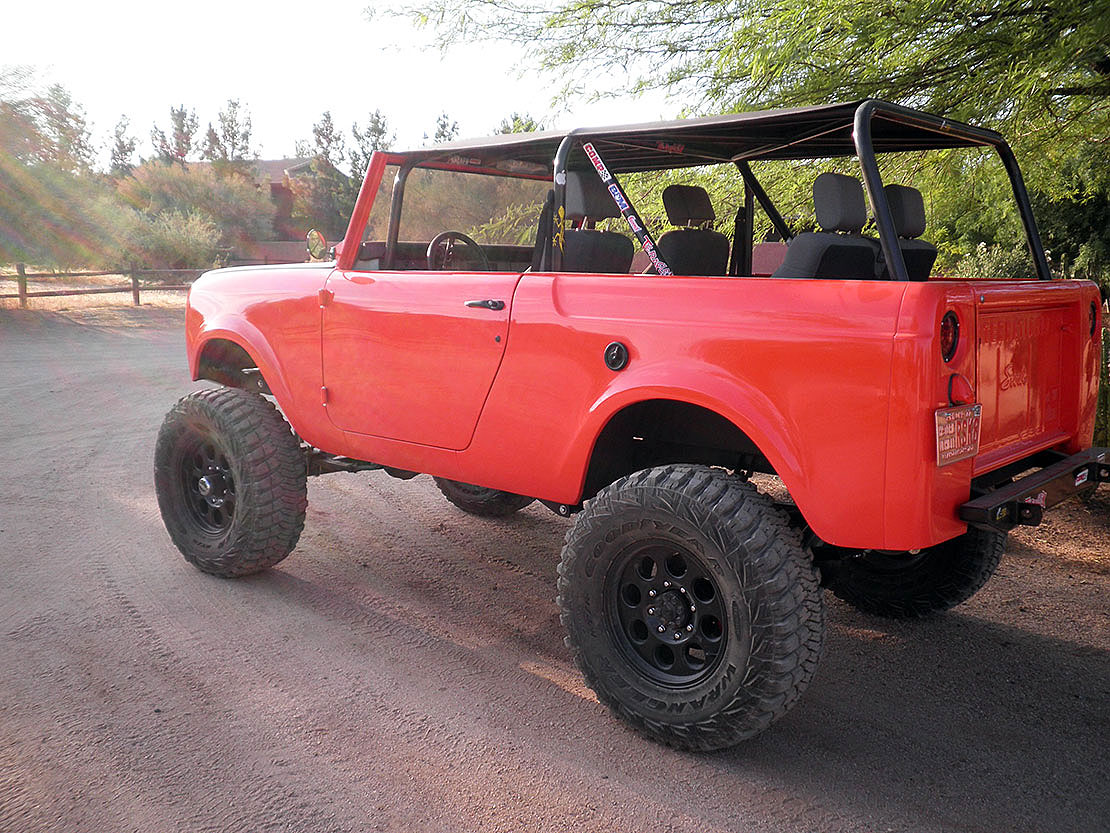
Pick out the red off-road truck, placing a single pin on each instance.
(501, 316)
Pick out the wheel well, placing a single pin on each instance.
(229, 364)
(662, 431)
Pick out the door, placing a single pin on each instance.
(411, 356)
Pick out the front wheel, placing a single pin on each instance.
(231, 481)
(905, 585)
(690, 605)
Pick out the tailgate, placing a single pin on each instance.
(1032, 341)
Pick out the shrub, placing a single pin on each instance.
(1102, 416)
(239, 208)
(995, 263)
(176, 240)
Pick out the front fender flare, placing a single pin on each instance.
(241, 332)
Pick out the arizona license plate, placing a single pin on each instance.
(958, 433)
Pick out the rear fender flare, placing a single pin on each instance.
(708, 387)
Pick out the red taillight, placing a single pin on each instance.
(949, 335)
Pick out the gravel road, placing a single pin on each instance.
(404, 669)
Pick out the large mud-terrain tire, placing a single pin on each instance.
(908, 585)
(231, 481)
(478, 500)
(690, 605)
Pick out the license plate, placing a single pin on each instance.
(958, 433)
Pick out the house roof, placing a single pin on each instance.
(272, 171)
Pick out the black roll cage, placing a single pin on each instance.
(925, 131)
(865, 114)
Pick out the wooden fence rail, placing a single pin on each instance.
(133, 286)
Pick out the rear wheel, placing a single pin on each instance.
(231, 482)
(903, 585)
(690, 605)
(478, 500)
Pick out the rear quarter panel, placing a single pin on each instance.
(802, 367)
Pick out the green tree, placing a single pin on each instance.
(324, 197)
(1009, 61)
(1037, 70)
(179, 142)
(63, 123)
(519, 123)
(229, 147)
(446, 129)
(123, 149)
(327, 142)
(376, 136)
(46, 185)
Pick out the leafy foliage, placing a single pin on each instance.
(324, 197)
(236, 206)
(446, 129)
(179, 142)
(996, 263)
(123, 149)
(376, 136)
(1037, 70)
(519, 123)
(1102, 415)
(229, 147)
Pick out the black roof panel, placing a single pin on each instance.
(795, 133)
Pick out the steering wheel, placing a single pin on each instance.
(442, 248)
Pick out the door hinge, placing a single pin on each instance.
(324, 396)
(325, 296)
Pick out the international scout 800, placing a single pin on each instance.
(501, 316)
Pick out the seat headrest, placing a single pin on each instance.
(908, 210)
(687, 204)
(838, 200)
(587, 196)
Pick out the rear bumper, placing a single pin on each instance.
(1024, 500)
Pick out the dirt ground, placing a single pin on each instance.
(404, 669)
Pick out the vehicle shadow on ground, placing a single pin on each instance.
(952, 722)
(972, 723)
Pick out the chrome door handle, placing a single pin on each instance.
(487, 304)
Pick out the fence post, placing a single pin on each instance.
(134, 284)
(21, 280)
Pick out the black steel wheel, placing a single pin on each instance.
(231, 482)
(904, 585)
(691, 607)
(667, 612)
(207, 484)
(478, 500)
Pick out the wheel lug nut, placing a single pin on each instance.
(651, 593)
(693, 609)
(677, 635)
(660, 629)
(689, 627)
(666, 584)
(651, 611)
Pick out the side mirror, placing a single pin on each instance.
(317, 245)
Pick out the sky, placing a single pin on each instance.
(286, 63)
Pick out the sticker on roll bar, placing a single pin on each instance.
(647, 242)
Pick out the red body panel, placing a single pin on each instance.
(836, 382)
